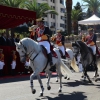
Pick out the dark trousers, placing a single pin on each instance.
(1, 72)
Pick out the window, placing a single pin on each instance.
(53, 24)
(53, 7)
(63, 18)
(46, 23)
(53, 16)
(62, 10)
(53, 1)
(62, 25)
(39, 4)
(62, 2)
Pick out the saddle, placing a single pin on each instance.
(46, 54)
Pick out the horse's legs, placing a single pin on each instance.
(60, 77)
(41, 85)
(86, 75)
(49, 76)
(96, 72)
(35, 73)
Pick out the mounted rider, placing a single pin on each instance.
(32, 32)
(83, 38)
(60, 39)
(91, 42)
(43, 34)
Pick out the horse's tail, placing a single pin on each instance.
(65, 70)
(74, 66)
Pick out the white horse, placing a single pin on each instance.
(38, 61)
(67, 61)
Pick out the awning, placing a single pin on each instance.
(12, 17)
(93, 20)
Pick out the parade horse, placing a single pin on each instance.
(69, 56)
(39, 61)
(86, 58)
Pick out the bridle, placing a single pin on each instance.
(29, 54)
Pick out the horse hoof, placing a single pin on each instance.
(60, 91)
(97, 75)
(34, 91)
(65, 77)
(82, 76)
(49, 88)
(90, 81)
(41, 94)
(96, 80)
(56, 80)
(68, 78)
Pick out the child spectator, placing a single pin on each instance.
(13, 63)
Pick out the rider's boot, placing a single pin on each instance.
(64, 57)
(94, 58)
(50, 61)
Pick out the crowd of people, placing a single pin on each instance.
(8, 40)
(9, 59)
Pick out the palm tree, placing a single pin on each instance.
(41, 9)
(69, 9)
(13, 3)
(93, 5)
(74, 16)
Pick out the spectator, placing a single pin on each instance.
(3, 41)
(9, 42)
(13, 63)
(17, 38)
(13, 39)
(1, 62)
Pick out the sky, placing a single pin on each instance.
(75, 1)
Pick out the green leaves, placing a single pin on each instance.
(40, 9)
(13, 3)
(93, 5)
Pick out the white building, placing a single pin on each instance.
(55, 20)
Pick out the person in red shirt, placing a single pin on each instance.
(60, 39)
(13, 62)
(43, 34)
(91, 42)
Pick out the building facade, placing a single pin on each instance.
(56, 21)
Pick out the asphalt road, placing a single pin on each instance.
(73, 89)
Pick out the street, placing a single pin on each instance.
(73, 89)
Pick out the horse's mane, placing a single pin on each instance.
(83, 46)
(29, 43)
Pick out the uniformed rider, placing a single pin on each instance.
(43, 34)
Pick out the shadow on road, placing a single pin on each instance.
(70, 96)
(20, 78)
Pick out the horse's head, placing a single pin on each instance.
(21, 49)
(76, 48)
